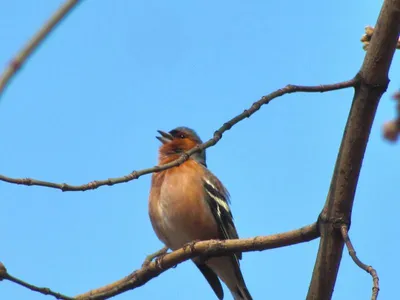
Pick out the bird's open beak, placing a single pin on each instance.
(165, 137)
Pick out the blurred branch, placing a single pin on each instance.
(203, 249)
(33, 44)
(366, 38)
(368, 269)
(372, 83)
(45, 291)
(391, 129)
(211, 142)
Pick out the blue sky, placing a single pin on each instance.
(87, 106)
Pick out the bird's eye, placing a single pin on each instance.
(182, 136)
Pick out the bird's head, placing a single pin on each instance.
(179, 140)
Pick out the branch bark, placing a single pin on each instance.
(372, 81)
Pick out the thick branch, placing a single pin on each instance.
(375, 279)
(373, 80)
(33, 44)
(211, 142)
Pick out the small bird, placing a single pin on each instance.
(189, 203)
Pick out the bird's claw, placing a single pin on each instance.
(156, 255)
(190, 245)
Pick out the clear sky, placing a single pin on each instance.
(87, 106)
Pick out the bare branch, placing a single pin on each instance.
(45, 291)
(368, 269)
(211, 142)
(32, 45)
(373, 81)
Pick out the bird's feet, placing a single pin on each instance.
(156, 255)
(190, 245)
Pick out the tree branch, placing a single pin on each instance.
(372, 83)
(33, 44)
(204, 249)
(375, 279)
(211, 142)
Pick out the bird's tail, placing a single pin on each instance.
(241, 293)
(227, 269)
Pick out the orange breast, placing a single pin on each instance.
(177, 208)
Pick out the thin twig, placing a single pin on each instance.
(205, 249)
(211, 142)
(33, 44)
(45, 291)
(352, 252)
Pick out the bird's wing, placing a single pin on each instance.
(217, 198)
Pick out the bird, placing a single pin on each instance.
(189, 203)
